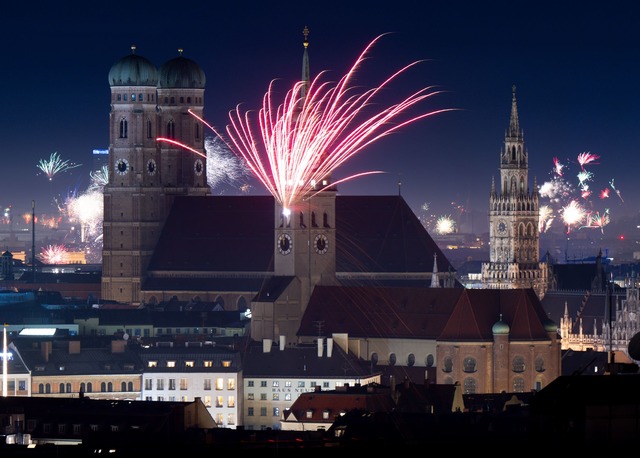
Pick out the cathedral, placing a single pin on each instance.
(514, 214)
(361, 270)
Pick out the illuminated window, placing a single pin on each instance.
(171, 364)
(226, 363)
(184, 384)
(220, 383)
(152, 364)
(231, 401)
(208, 364)
(231, 384)
(189, 363)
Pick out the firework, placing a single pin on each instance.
(598, 221)
(587, 158)
(53, 254)
(445, 225)
(557, 166)
(55, 165)
(223, 166)
(573, 214)
(546, 218)
(87, 210)
(558, 191)
(292, 146)
(99, 179)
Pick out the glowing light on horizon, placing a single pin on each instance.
(292, 146)
(55, 165)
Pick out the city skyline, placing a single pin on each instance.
(564, 63)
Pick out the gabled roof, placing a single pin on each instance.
(395, 312)
(443, 314)
(302, 361)
(382, 234)
(311, 407)
(479, 309)
(235, 234)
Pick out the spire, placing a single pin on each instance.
(514, 123)
(435, 281)
(305, 64)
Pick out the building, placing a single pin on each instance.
(275, 376)
(211, 373)
(145, 175)
(514, 215)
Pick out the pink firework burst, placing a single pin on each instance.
(587, 158)
(291, 146)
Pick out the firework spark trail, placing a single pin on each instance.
(304, 139)
(615, 190)
(55, 165)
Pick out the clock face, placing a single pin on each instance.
(122, 166)
(151, 167)
(321, 244)
(198, 167)
(502, 227)
(285, 244)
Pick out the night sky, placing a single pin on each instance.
(575, 66)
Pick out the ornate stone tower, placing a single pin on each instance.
(514, 215)
(145, 174)
(305, 234)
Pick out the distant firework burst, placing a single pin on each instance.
(292, 146)
(574, 204)
(223, 166)
(53, 254)
(99, 179)
(445, 225)
(55, 165)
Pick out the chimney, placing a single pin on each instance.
(266, 345)
(74, 347)
(320, 347)
(329, 346)
(283, 342)
(45, 349)
(117, 346)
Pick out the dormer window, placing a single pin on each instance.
(171, 364)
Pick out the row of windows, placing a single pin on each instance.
(139, 97)
(274, 396)
(411, 359)
(288, 384)
(469, 364)
(275, 412)
(184, 384)
(151, 97)
(105, 387)
(188, 363)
